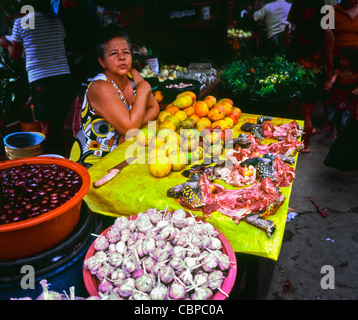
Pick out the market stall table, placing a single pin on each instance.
(135, 190)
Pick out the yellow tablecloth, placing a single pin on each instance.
(135, 190)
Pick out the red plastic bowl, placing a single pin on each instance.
(92, 282)
(32, 236)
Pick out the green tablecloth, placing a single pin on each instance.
(135, 190)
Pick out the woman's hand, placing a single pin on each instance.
(4, 43)
(143, 87)
(355, 91)
(327, 86)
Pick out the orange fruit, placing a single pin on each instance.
(201, 108)
(227, 100)
(160, 166)
(234, 116)
(203, 123)
(158, 95)
(210, 101)
(226, 105)
(237, 110)
(194, 117)
(217, 113)
(189, 111)
(181, 115)
(172, 109)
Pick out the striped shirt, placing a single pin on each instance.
(43, 46)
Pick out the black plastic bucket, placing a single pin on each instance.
(61, 266)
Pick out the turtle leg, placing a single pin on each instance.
(248, 126)
(273, 207)
(268, 226)
(262, 119)
(257, 132)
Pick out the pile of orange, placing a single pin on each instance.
(172, 148)
(208, 112)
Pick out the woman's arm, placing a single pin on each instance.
(107, 103)
(329, 41)
(152, 108)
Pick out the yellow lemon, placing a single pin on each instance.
(156, 142)
(230, 122)
(162, 115)
(178, 160)
(173, 119)
(160, 166)
(167, 124)
(212, 138)
(144, 136)
(214, 150)
(164, 132)
(169, 147)
(155, 152)
(197, 154)
(222, 124)
(189, 145)
(173, 137)
(189, 133)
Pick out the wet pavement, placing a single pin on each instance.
(319, 256)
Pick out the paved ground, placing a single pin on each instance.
(311, 241)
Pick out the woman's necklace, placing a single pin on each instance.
(121, 93)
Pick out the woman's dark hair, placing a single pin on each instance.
(43, 6)
(106, 34)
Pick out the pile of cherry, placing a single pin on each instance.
(30, 190)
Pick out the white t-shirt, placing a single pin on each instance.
(274, 15)
(44, 46)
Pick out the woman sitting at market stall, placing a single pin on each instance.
(116, 100)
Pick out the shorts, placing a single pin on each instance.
(314, 92)
(52, 97)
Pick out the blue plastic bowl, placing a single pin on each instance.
(18, 140)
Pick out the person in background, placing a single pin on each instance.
(80, 21)
(274, 15)
(307, 48)
(48, 71)
(116, 100)
(344, 34)
(344, 91)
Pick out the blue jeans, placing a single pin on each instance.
(338, 118)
